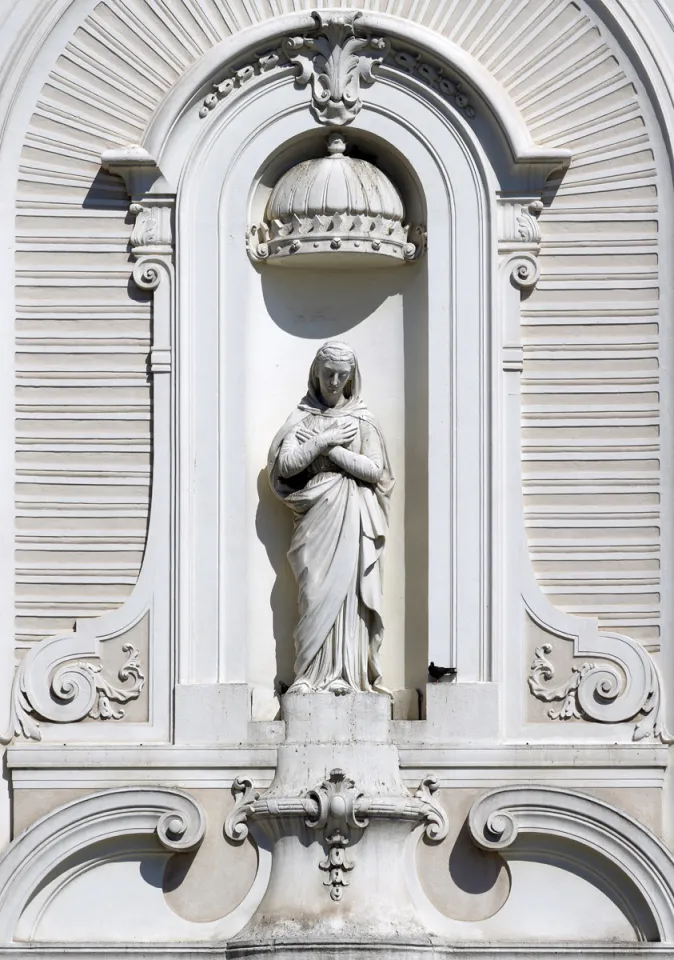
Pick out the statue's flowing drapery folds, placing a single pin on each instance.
(340, 500)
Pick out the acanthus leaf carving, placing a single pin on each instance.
(528, 229)
(437, 821)
(77, 689)
(334, 60)
(519, 239)
(152, 227)
(245, 795)
(542, 672)
(336, 799)
(592, 687)
(106, 692)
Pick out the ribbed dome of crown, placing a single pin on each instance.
(334, 184)
(339, 210)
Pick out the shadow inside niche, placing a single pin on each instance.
(321, 304)
(473, 870)
(274, 527)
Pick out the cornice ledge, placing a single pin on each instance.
(622, 856)
(136, 166)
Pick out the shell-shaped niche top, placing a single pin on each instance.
(337, 208)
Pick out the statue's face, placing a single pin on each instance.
(333, 376)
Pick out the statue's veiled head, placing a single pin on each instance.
(334, 373)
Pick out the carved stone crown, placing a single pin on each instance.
(334, 205)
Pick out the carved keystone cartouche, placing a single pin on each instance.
(336, 808)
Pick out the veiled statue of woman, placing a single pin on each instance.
(329, 464)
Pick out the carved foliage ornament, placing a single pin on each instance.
(152, 227)
(336, 799)
(589, 686)
(78, 682)
(334, 59)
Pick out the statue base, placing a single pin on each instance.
(341, 826)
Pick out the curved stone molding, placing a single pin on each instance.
(524, 270)
(174, 817)
(592, 688)
(235, 79)
(401, 47)
(434, 76)
(622, 857)
(337, 796)
(51, 683)
(335, 60)
(627, 687)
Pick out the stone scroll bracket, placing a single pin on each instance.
(620, 682)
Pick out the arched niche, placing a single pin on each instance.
(254, 356)
(383, 314)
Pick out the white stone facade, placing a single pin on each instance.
(513, 326)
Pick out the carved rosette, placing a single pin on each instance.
(339, 811)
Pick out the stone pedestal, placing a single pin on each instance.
(338, 820)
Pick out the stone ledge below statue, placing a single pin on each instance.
(326, 718)
(455, 713)
(324, 732)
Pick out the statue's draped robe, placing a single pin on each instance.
(336, 550)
